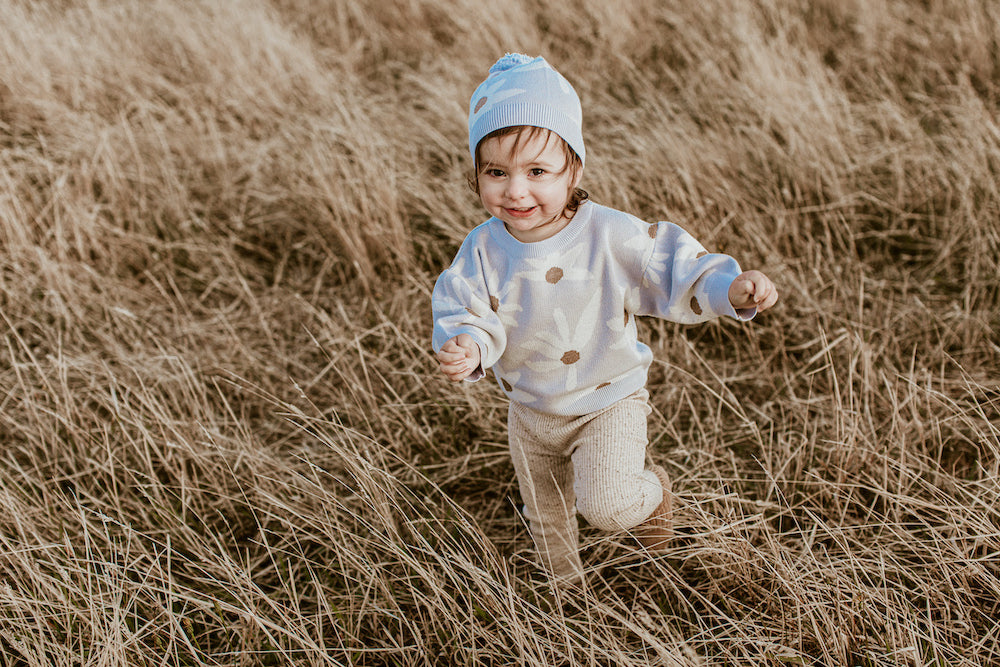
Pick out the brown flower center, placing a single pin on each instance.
(570, 357)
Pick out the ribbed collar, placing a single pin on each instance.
(555, 243)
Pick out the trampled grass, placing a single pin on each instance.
(223, 439)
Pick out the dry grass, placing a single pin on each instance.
(225, 441)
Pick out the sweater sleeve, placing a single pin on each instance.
(461, 304)
(682, 282)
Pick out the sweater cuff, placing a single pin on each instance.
(480, 372)
(717, 287)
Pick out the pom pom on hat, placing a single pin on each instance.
(508, 61)
(521, 90)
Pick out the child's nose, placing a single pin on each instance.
(517, 187)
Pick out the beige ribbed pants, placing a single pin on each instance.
(594, 464)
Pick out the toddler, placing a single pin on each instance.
(546, 293)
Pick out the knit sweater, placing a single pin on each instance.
(555, 319)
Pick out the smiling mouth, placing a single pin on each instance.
(521, 212)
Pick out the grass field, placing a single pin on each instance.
(223, 437)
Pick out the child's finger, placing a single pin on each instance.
(460, 345)
(450, 363)
(758, 292)
(450, 357)
(772, 298)
(766, 295)
(450, 370)
(456, 373)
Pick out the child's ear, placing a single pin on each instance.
(577, 177)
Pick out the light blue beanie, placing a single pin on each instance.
(526, 91)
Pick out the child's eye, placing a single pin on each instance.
(537, 171)
(495, 173)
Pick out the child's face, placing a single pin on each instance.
(527, 188)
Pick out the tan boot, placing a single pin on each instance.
(655, 532)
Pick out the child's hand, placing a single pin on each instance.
(752, 289)
(459, 357)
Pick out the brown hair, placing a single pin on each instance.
(524, 134)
